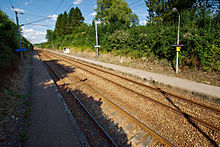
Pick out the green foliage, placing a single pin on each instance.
(23, 136)
(115, 12)
(9, 42)
(199, 32)
(161, 10)
(50, 36)
(66, 23)
(8, 37)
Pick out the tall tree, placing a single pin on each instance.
(157, 9)
(61, 27)
(162, 9)
(65, 23)
(114, 12)
(50, 35)
(71, 20)
(75, 19)
(78, 17)
(58, 26)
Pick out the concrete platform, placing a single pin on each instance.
(51, 123)
(205, 91)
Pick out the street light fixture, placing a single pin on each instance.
(178, 34)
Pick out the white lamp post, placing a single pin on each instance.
(178, 34)
(96, 34)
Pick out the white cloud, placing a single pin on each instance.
(33, 35)
(54, 17)
(27, 3)
(18, 10)
(95, 6)
(143, 22)
(93, 14)
(75, 2)
(40, 33)
(28, 30)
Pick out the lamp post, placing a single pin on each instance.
(178, 35)
(96, 34)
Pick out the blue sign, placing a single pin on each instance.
(20, 49)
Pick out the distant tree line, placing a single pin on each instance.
(121, 34)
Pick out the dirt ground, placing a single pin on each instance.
(14, 111)
(152, 64)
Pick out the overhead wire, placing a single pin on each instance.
(58, 6)
(31, 14)
(11, 4)
(134, 2)
(69, 7)
(35, 21)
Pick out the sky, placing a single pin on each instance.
(34, 10)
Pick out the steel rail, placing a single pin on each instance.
(210, 126)
(135, 120)
(84, 108)
(138, 122)
(103, 130)
(147, 86)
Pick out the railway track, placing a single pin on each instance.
(170, 101)
(139, 134)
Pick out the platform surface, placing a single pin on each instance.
(50, 125)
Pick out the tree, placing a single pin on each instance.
(64, 26)
(161, 10)
(61, 27)
(50, 36)
(134, 20)
(75, 19)
(157, 9)
(58, 26)
(114, 12)
(78, 17)
(9, 41)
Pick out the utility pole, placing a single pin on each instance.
(19, 36)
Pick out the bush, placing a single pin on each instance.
(9, 42)
(199, 34)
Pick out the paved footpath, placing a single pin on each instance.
(207, 91)
(50, 124)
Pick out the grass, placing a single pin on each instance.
(23, 136)
(12, 100)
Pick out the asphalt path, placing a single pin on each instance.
(50, 125)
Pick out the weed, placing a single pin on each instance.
(27, 103)
(27, 112)
(10, 92)
(23, 136)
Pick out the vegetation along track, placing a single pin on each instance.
(207, 116)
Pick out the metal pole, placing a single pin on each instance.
(52, 44)
(96, 34)
(19, 36)
(177, 52)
